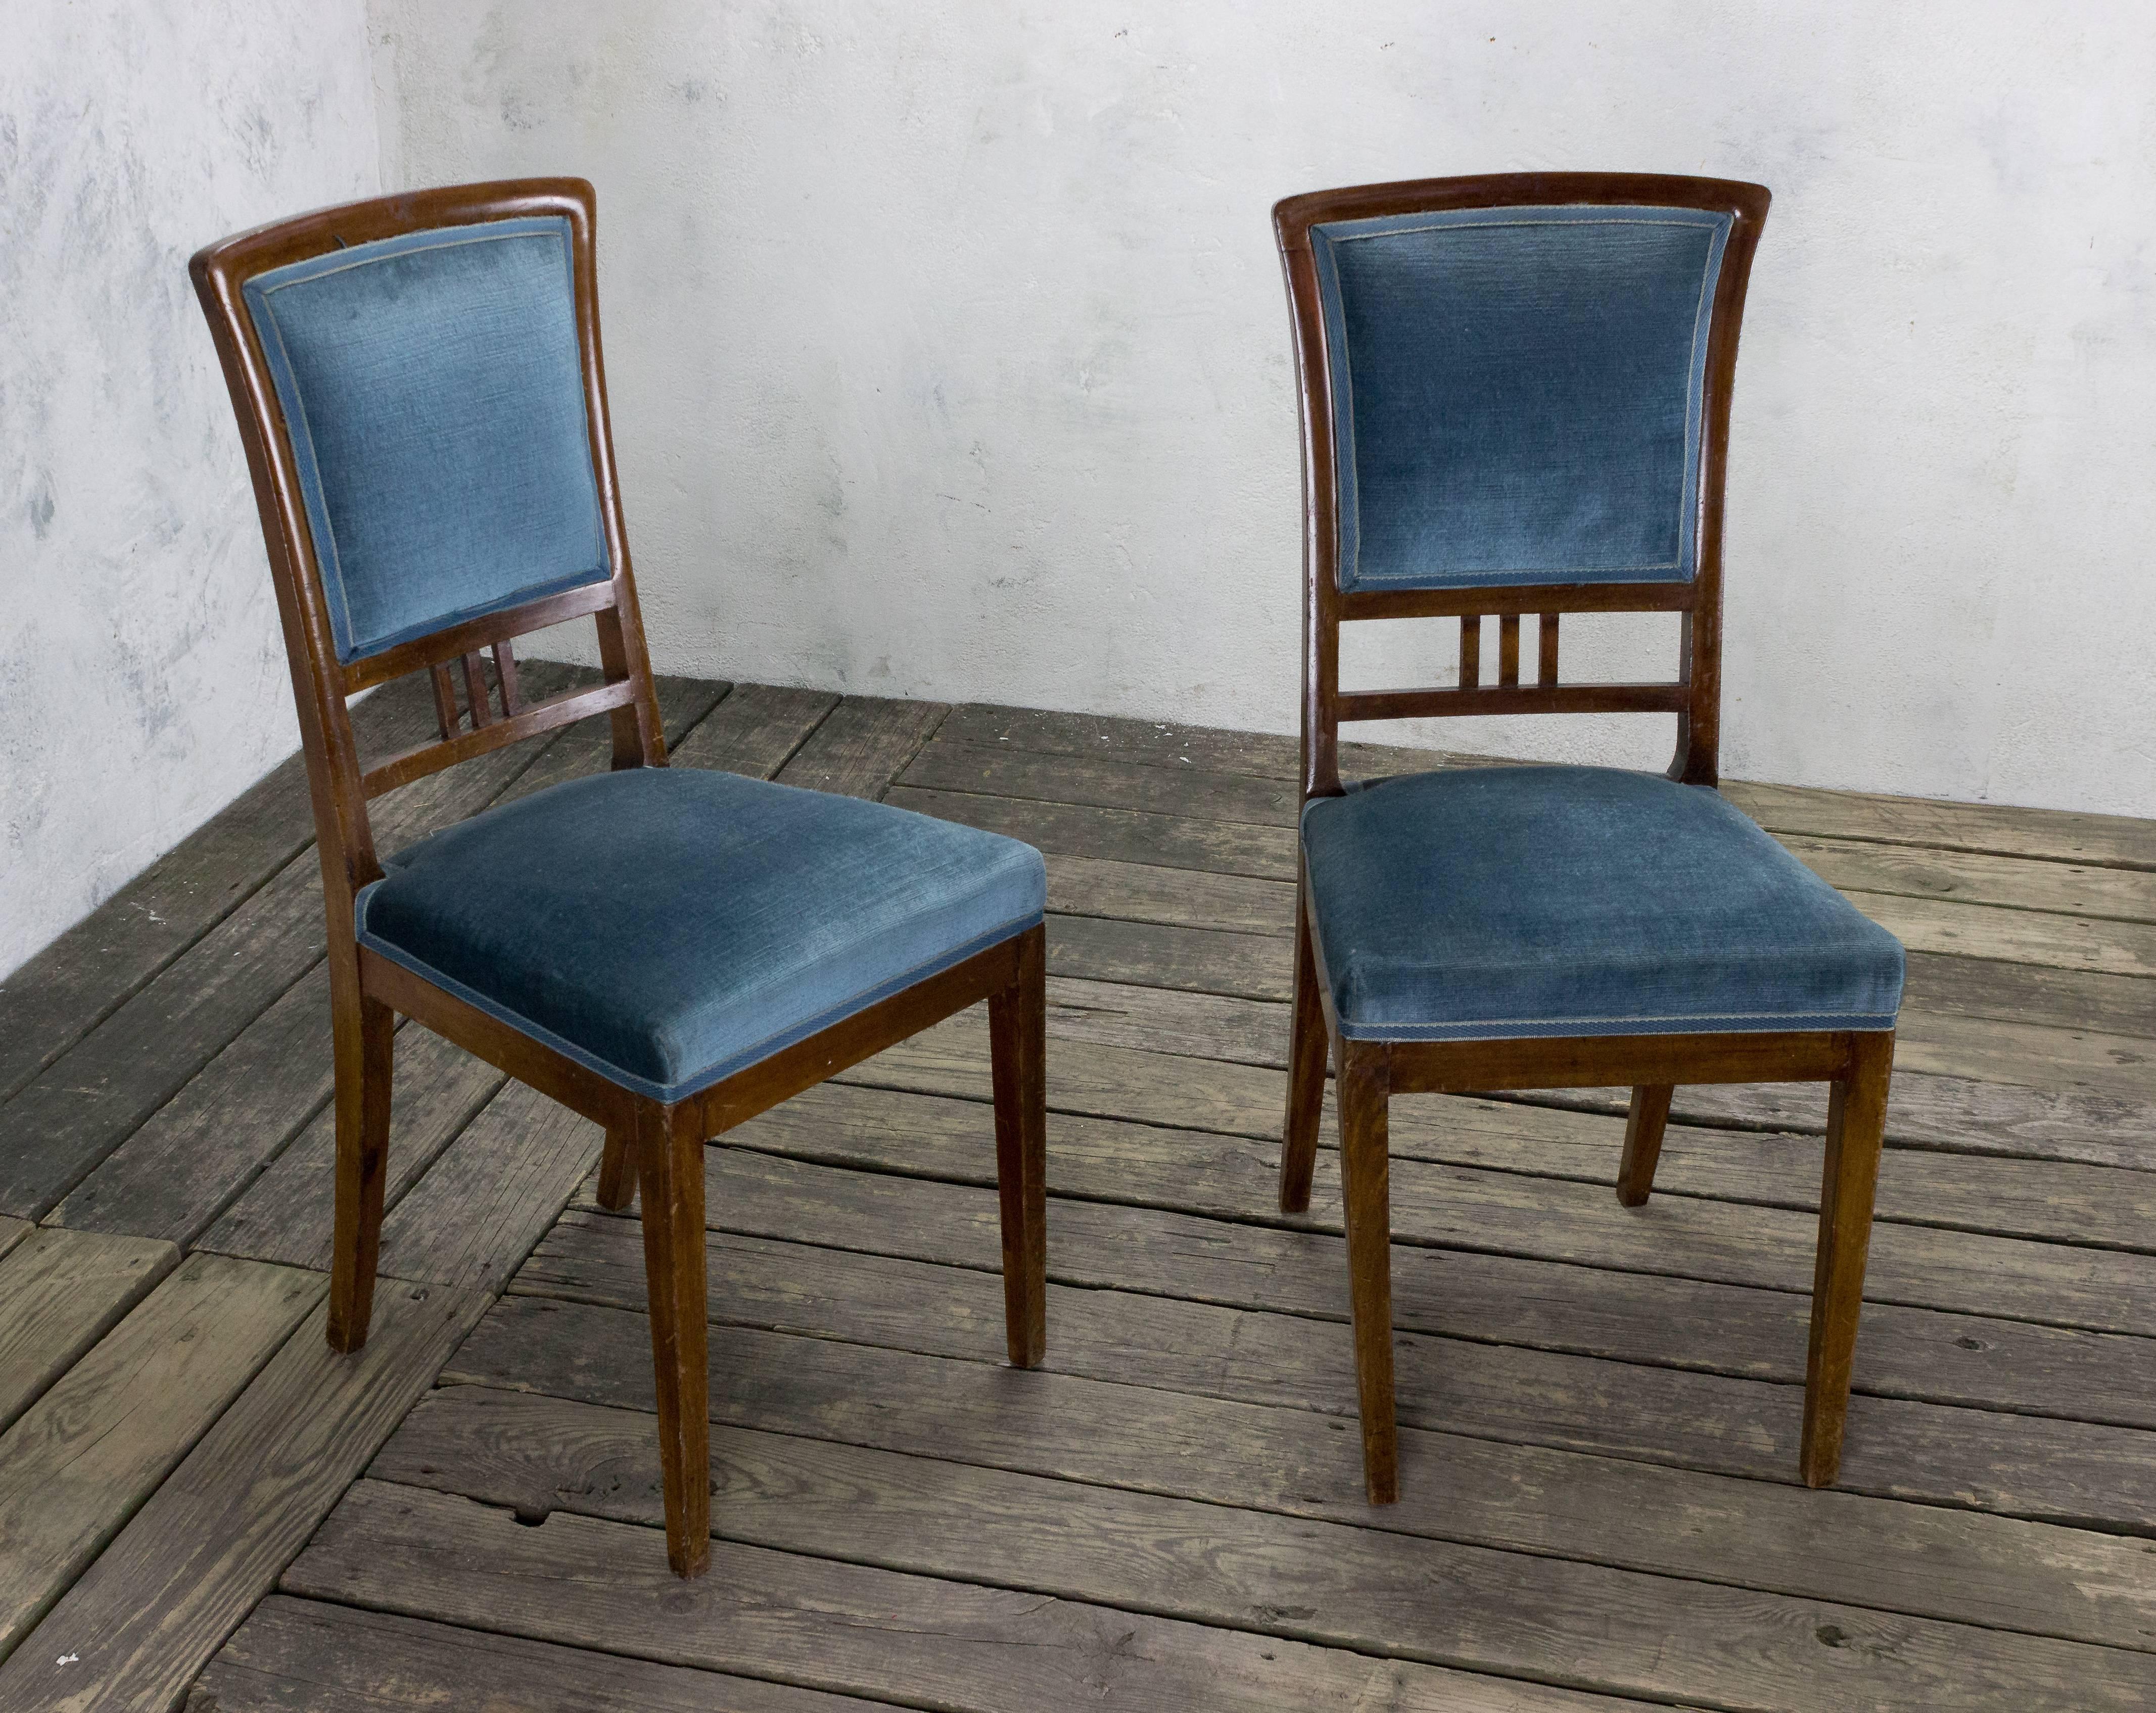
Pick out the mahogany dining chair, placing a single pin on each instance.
(1515, 398)
(418, 385)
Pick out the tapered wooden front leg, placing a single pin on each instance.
(1017, 1043)
(366, 1038)
(670, 1159)
(1365, 1087)
(1643, 1142)
(618, 1169)
(1305, 1068)
(1855, 1127)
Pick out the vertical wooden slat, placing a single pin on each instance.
(445, 702)
(1546, 643)
(482, 712)
(1470, 650)
(1508, 648)
(504, 668)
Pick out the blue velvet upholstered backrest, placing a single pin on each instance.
(433, 391)
(1516, 392)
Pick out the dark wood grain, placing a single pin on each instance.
(1929, 1561)
(191, 1563)
(96, 1444)
(862, 745)
(308, 1656)
(1128, 835)
(61, 1291)
(1961, 1356)
(64, 991)
(1957, 1456)
(1343, 1585)
(285, 1215)
(921, 1640)
(756, 731)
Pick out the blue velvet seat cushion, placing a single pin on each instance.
(669, 927)
(434, 392)
(1485, 903)
(1518, 392)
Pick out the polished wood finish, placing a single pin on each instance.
(1370, 1071)
(653, 1148)
(1644, 1124)
(1307, 1050)
(1018, 1030)
(1695, 696)
(1364, 1077)
(365, 1059)
(1856, 1127)
(616, 1185)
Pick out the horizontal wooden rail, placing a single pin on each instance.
(476, 633)
(1603, 1061)
(1525, 598)
(543, 717)
(1440, 701)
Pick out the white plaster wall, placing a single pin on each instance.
(949, 357)
(142, 680)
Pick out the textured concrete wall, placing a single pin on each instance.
(949, 356)
(142, 680)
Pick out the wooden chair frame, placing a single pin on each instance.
(1857, 1064)
(661, 1145)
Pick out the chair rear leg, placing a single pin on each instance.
(670, 1159)
(1306, 1073)
(618, 1169)
(1017, 1043)
(366, 1036)
(1855, 1126)
(1365, 1087)
(1643, 1142)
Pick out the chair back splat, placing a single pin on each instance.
(668, 951)
(1514, 396)
(420, 390)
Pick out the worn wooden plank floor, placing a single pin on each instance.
(200, 1505)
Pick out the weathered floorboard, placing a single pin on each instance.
(920, 1640)
(2058, 835)
(1964, 877)
(491, 1195)
(1924, 1560)
(2062, 1471)
(60, 1292)
(756, 731)
(89, 1100)
(1377, 1591)
(862, 745)
(210, 1541)
(83, 1456)
(64, 991)
(177, 1172)
(287, 1213)
(307, 1656)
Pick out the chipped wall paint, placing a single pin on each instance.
(949, 357)
(142, 680)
